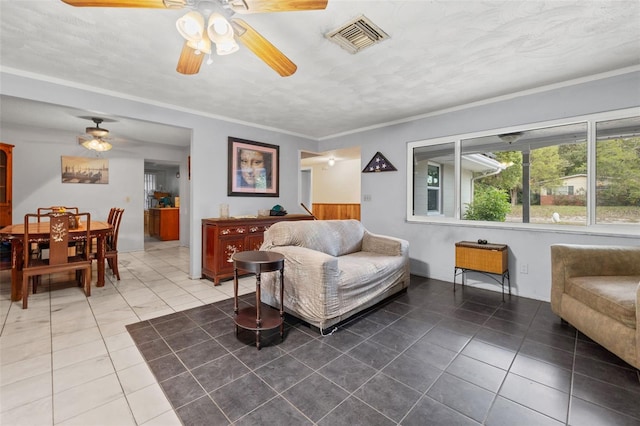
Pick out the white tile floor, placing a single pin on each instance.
(68, 359)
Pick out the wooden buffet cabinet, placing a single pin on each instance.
(164, 223)
(221, 238)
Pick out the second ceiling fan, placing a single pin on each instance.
(209, 21)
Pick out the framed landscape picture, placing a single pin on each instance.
(254, 169)
(85, 170)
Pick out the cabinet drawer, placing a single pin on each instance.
(257, 229)
(233, 230)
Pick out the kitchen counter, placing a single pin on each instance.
(164, 223)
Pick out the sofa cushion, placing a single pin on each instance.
(614, 296)
(333, 237)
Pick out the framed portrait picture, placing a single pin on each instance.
(254, 169)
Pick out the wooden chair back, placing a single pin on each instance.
(115, 216)
(58, 240)
(42, 211)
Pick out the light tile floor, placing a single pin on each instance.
(68, 359)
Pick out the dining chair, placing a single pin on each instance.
(43, 212)
(111, 251)
(59, 259)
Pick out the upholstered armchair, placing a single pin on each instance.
(597, 290)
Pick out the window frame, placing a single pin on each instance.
(591, 226)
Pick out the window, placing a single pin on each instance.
(618, 171)
(433, 177)
(149, 188)
(556, 174)
(523, 176)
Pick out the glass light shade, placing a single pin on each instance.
(97, 145)
(221, 33)
(226, 48)
(201, 46)
(103, 146)
(219, 28)
(331, 162)
(191, 26)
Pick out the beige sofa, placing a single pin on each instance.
(333, 269)
(597, 290)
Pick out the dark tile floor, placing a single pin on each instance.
(427, 357)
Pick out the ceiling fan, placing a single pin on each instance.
(96, 138)
(219, 28)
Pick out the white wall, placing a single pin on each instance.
(337, 184)
(432, 245)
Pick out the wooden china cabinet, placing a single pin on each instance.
(6, 178)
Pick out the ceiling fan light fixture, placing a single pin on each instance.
(96, 141)
(191, 26)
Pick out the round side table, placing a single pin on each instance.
(253, 318)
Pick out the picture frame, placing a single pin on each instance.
(254, 169)
(84, 170)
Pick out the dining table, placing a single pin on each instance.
(39, 233)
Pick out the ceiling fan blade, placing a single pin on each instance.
(152, 4)
(189, 63)
(262, 6)
(263, 49)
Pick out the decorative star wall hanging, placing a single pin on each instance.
(379, 163)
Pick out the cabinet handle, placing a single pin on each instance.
(240, 230)
(225, 231)
(253, 229)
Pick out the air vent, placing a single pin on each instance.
(357, 35)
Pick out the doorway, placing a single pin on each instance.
(162, 200)
(330, 183)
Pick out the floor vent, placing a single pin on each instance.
(357, 35)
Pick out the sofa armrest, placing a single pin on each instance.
(383, 244)
(572, 260)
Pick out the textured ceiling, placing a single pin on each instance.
(441, 54)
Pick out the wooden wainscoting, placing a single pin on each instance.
(336, 211)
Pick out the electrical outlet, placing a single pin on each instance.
(524, 268)
(367, 197)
